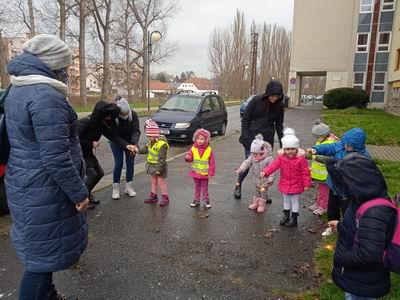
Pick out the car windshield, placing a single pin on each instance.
(182, 103)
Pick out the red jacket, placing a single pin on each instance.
(211, 162)
(295, 173)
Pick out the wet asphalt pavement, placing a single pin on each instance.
(142, 251)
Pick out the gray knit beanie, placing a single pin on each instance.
(257, 145)
(320, 129)
(50, 49)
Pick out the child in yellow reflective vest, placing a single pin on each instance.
(156, 166)
(203, 166)
(319, 174)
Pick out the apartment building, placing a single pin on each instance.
(348, 41)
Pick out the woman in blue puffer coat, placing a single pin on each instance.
(45, 171)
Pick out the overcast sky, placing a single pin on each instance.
(197, 19)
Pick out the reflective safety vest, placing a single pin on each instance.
(318, 170)
(152, 155)
(200, 164)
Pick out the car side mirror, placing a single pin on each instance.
(205, 110)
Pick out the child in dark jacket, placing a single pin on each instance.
(358, 262)
(352, 140)
(203, 166)
(156, 166)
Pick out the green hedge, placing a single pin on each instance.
(342, 98)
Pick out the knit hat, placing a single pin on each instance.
(257, 146)
(50, 49)
(151, 129)
(320, 129)
(355, 138)
(204, 133)
(289, 139)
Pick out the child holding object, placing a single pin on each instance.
(260, 157)
(294, 178)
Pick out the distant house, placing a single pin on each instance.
(160, 89)
(199, 85)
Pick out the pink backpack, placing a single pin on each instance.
(391, 256)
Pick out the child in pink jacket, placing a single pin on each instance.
(203, 166)
(295, 177)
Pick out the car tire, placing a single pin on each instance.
(222, 131)
(3, 197)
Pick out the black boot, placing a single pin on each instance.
(238, 191)
(93, 200)
(286, 216)
(268, 200)
(293, 220)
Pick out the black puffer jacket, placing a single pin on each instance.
(358, 268)
(129, 129)
(92, 127)
(262, 116)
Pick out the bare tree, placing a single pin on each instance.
(82, 51)
(31, 18)
(63, 18)
(101, 11)
(148, 13)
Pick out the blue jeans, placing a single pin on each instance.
(37, 286)
(118, 154)
(348, 296)
(243, 175)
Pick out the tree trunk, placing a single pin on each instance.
(106, 64)
(127, 56)
(5, 79)
(82, 52)
(63, 19)
(31, 19)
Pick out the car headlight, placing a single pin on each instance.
(182, 125)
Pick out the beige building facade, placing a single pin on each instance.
(347, 41)
(392, 100)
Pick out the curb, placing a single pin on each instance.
(140, 168)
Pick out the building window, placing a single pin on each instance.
(358, 80)
(388, 5)
(384, 42)
(362, 42)
(379, 81)
(397, 60)
(366, 6)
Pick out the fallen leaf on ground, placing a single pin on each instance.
(268, 235)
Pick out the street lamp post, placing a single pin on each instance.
(245, 68)
(152, 37)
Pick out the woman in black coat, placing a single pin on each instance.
(358, 262)
(264, 114)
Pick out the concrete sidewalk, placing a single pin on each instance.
(388, 152)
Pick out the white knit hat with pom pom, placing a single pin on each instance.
(289, 139)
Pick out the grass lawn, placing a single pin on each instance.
(324, 253)
(381, 128)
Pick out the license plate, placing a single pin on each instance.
(164, 131)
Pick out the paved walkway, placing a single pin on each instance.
(389, 152)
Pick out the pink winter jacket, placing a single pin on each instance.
(211, 162)
(294, 173)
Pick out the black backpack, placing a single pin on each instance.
(4, 142)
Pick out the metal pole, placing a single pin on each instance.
(148, 69)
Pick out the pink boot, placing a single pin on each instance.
(164, 200)
(152, 198)
(254, 204)
(261, 205)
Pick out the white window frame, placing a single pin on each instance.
(366, 5)
(383, 45)
(383, 4)
(362, 85)
(379, 84)
(366, 46)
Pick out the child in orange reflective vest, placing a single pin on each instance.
(203, 166)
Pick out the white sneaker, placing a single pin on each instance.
(129, 189)
(327, 232)
(115, 192)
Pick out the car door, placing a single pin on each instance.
(218, 115)
(206, 117)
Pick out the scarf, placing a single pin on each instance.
(35, 79)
